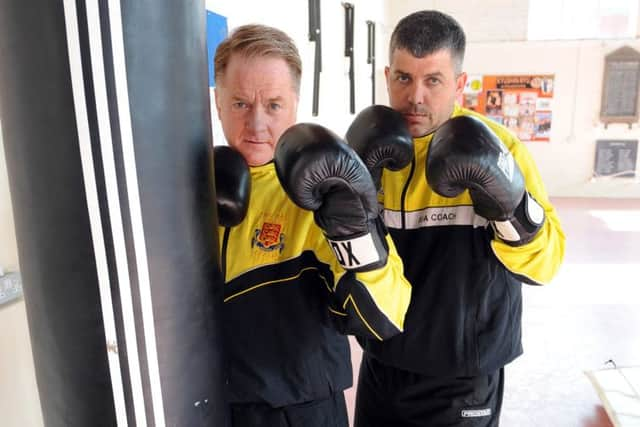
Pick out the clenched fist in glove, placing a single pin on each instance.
(382, 139)
(466, 154)
(321, 173)
(233, 185)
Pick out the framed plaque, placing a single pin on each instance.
(620, 87)
(616, 158)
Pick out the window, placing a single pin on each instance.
(582, 19)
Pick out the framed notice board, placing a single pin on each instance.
(620, 87)
(616, 158)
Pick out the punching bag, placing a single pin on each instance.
(105, 118)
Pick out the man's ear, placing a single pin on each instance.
(387, 73)
(461, 80)
(217, 98)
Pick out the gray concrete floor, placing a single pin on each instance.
(588, 315)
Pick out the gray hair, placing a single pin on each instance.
(253, 41)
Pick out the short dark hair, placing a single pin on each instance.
(255, 40)
(428, 31)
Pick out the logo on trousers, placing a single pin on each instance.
(473, 413)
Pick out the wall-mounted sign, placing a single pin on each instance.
(616, 158)
(522, 103)
(10, 287)
(620, 86)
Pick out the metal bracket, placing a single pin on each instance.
(371, 56)
(315, 36)
(349, 10)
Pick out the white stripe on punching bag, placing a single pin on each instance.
(126, 137)
(115, 214)
(88, 172)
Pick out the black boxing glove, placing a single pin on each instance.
(233, 185)
(466, 154)
(321, 173)
(382, 139)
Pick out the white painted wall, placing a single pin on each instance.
(567, 161)
(496, 34)
(291, 16)
(19, 402)
(8, 248)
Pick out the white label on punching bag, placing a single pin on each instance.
(355, 253)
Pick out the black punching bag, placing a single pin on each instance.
(105, 119)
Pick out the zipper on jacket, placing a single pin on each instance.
(404, 193)
(223, 257)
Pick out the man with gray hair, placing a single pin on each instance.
(288, 298)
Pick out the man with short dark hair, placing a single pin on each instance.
(472, 221)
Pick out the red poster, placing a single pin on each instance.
(521, 103)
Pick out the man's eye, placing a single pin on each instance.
(239, 105)
(402, 78)
(433, 81)
(275, 106)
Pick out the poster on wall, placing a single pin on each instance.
(522, 103)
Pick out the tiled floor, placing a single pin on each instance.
(589, 315)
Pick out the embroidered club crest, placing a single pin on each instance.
(269, 237)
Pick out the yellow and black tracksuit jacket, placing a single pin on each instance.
(465, 313)
(287, 302)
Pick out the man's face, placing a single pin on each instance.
(256, 102)
(423, 89)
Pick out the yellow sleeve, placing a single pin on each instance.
(370, 304)
(538, 261)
